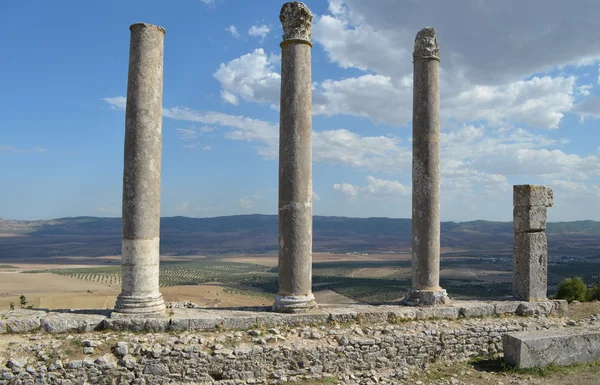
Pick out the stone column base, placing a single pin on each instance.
(426, 298)
(294, 303)
(128, 306)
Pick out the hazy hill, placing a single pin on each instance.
(91, 236)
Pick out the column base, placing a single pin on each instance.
(132, 306)
(294, 303)
(426, 298)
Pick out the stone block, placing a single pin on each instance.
(71, 323)
(301, 319)
(401, 314)
(560, 307)
(476, 310)
(567, 346)
(343, 314)
(441, 312)
(535, 308)
(238, 322)
(23, 324)
(529, 218)
(532, 195)
(506, 307)
(530, 266)
(209, 322)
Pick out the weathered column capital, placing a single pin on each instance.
(426, 45)
(146, 25)
(296, 20)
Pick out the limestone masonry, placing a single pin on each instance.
(530, 258)
(356, 344)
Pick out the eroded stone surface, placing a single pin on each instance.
(530, 266)
(556, 346)
(142, 173)
(296, 20)
(349, 351)
(295, 164)
(426, 45)
(426, 172)
(532, 195)
(529, 219)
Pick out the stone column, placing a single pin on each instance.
(295, 162)
(426, 288)
(140, 294)
(530, 256)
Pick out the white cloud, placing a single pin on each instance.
(375, 153)
(315, 196)
(259, 31)
(233, 30)
(187, 134)
(250, 77)
(347, 189)
(117, 102)
(382, 186)
(584, 89)
(229, 97)
(249, 202)
(539, 101)
(374, 187)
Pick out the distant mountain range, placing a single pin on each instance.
(249, 234)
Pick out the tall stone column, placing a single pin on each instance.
(295, 162)
(530, 256)
(140, 294)
(426, 288)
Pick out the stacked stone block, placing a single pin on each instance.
(530, 257)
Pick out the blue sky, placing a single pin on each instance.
(519, 99)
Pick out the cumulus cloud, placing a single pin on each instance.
(259, 31)
(374, 187)
(347, 189)
(250, 77)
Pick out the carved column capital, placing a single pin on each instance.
(296, 20)
(426, 45)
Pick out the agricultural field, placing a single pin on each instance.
(236, 281)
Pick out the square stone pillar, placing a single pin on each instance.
(530, 256)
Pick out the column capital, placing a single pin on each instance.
(296, 20)
(426, 45)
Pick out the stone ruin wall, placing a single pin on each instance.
(360, 344)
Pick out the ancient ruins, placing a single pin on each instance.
(295, 162)
(141, 175)
(295, 339)
(141, 180)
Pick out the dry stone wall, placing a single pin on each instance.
(367, 345)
